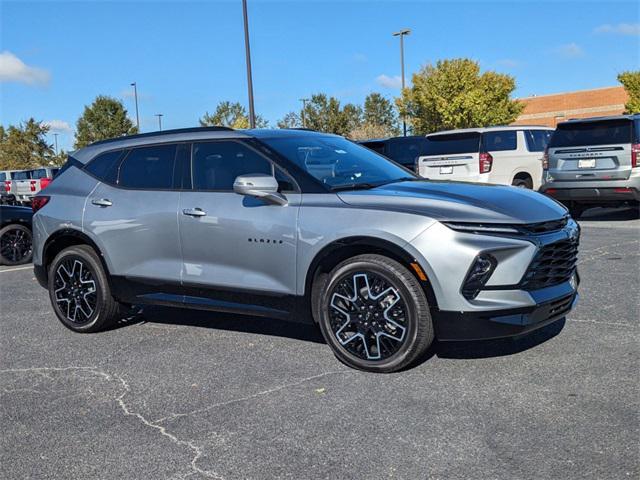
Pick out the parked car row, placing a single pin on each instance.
(582, 163)
(20, 186)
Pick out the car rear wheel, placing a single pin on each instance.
(522, 183)
(15, 245)
(79, 290)
(374, 314)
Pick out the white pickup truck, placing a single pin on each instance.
(26, 184)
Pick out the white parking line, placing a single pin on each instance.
(16, 268)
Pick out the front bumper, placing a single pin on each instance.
(501, 323)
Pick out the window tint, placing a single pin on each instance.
(500, 141)
(604, 132)
(217, 164)
(39, 173)
(405, 150)
(453, 143)
(537, 140)
(25, 175)
(148, 167)
(377, 147)
(104, 166)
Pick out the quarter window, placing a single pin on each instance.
(104, 166)
(537, 140)
(148, 168)
(500, 141)
(215, 165)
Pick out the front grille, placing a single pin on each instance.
(560, 306)
(545, 227)
(553, 264)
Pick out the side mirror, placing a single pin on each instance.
(261, 186)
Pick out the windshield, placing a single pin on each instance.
(339, 163)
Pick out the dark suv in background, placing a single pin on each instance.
(594, 162)
(402, 150)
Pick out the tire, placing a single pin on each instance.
(522, 183)
(16, 245)
(373, 331)
(576, 210)
(79, 291)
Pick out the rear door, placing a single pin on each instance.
(133, 214)
(591, 150)
(451, 156)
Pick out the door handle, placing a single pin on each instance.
(102, 202)
(194, 212)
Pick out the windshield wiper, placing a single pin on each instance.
(354, 186)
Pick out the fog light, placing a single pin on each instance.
(478, 275)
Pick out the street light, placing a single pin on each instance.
(252, 114)
(135, 95)
(55, 139)
(159, 115)
(401, 34)
(304, 105)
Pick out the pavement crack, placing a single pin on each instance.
(120, 400)
(249, 397)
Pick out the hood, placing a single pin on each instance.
(459, 201)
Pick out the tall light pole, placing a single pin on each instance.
(401, 34)
(55, 139)
(252, 113)
(304, 105)
(135, 95)
(159, 115)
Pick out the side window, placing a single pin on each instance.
(500, 141)
(285, 183)
(537, 140)
(405, 151)
(104, 166)
(148, 168)
(215, 165)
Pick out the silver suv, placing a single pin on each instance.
(305, 226)
(594, 162)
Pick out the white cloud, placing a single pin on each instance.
(58, 126)
(12, 69)
(389, 82)
(619, 29)
(508, 63)
(570, 50)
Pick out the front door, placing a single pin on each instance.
(235, 242)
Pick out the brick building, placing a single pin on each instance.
(550, 109)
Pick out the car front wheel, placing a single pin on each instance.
(15, 245)
(374, 314)
(79, 290)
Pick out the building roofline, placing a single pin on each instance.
(569, 93)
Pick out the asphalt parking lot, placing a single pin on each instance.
(182, 394)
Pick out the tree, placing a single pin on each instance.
(379, 112)
(453, 94)
(631, 82)
(367, 131)
(290, 120)
(25, 146)
(231, 115)
(324, 114)
(105, 118)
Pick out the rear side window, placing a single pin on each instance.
(500, 141)
(3, 176)
(104, 166)
(148, 168)
(39, 173)
(573, 134)
(537, 140)
(405, 151)
(454, 143)
(215, 165)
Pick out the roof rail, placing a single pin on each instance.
(164, 132)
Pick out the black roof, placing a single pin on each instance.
(164, 132)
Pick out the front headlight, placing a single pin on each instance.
(481, 227)
(480, 272)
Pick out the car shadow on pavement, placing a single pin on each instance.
(498, 347)
(600, 214)
(311, 333)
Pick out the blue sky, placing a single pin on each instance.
(187, 56)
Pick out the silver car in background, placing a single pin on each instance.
(594, 162)
(302, 226)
